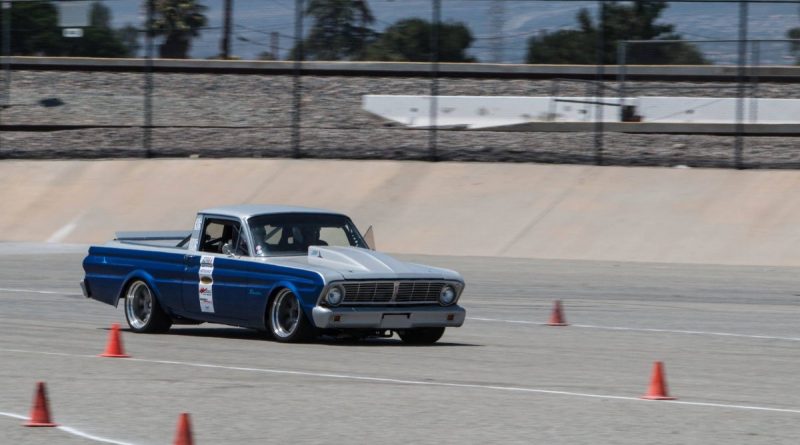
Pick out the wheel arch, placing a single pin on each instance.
(274, 292)
(139, 275)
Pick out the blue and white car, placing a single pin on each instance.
(293, 272)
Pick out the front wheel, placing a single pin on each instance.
(421, 336)
(142, 310)
(286, 321)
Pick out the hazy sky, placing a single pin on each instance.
(255, 19)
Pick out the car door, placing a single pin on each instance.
(215, 286)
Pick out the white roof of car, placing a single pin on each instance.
(248, 210)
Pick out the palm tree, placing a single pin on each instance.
(179, 21)
(340, 29)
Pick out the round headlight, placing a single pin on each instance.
(447, 295)
(335, 296)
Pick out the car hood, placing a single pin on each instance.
(351, 263)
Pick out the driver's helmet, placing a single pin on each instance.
(259, 239)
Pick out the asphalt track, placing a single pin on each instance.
(728, 336)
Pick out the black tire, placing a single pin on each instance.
(421, 336)
(142, 311)
(286, 321)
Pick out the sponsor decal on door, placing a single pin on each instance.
(205, 287)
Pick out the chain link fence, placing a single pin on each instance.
(258, 83)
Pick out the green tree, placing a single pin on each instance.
(410, 40)
(620, 21)
(35, 31)
(794, 47)
(179, 21)
(340, 30)
(99, 39)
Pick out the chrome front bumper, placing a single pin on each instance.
(388, 317)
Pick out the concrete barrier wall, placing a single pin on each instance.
(510, 210)
(496, 112)
(248, 115)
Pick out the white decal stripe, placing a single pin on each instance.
(667, 331)
(73, 431)
(424, 383)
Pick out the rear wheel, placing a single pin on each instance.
(142, 310)
(286, 321)
(421, 336)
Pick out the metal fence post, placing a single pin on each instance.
(434, 103)
(755, 62)
(6, 99)
(741, 72)
(6, 53)
(622, 55)
(599, 92)
(297, 80)
(147, 133)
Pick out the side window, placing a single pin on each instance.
(220, 232)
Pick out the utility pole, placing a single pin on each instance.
(497, 14)
(225, 44)
(274, 45)
(6, 101)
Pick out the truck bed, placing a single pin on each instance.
(164, 238)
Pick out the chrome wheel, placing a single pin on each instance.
(139, 305)
(142, 310)
(285, 314)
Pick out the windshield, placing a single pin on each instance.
(293, 233)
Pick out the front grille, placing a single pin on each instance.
(418, 291)
(392, 292)
(374, 292)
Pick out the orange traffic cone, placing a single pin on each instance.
(114, 346)
(557, 317)
(184, 434)
(658, 384)
(40, 413)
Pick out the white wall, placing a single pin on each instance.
(475, 112)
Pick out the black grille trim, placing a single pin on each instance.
(399, 292)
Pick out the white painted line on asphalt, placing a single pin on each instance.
(506, 321)
(420, 382)
(619, 328)
(91, 437)
(33, 291)
(533, 323)
(720, 334)
(72, 431)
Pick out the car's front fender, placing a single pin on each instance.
(308, 297)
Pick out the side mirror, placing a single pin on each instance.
(369, 237)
